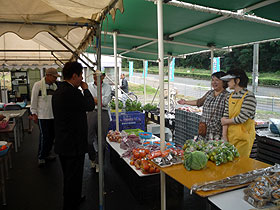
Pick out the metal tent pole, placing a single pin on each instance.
(116, 81)
(99, 117)
(255, 74)
(161, 85)
(76, 49)
(145, 92)
(168, 84)
(212, 56)
(73, 52)
(240, 14)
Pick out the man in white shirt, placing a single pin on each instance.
(42, 113)
(92, 120)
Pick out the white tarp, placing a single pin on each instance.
(38, 46)
(34, 20)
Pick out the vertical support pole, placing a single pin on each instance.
(145, 93)
(168, 83)
(42, 72)
(161, 85)
(99, 123)
(255, 74)
(212, 56)
(116, 81)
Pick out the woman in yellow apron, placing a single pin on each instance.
(238, 121)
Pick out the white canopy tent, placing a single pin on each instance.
(33, 22)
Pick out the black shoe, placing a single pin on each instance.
(82, 199)
(50, 158)
(41, 163)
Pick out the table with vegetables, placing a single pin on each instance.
(136, 154)
(141, 150)
(214, 167)
(206, 168)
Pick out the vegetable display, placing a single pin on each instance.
(113, 104)
(133, 106)
(150, 107)
(216, 151)
(196, 160)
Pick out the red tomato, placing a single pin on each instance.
(142, 154)
(136, 155)
(3, 147)
(152, 170)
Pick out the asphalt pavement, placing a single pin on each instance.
(261, 91)
(268, 98)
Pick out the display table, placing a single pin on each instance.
(268, 148)
(144, 187)
(116, 147)
(4, 175)
(18, 117)
(11, 128)
(213, 173)
(231, 200)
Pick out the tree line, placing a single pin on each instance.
(239, 58)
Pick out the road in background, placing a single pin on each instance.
(261, 91)
(268, 98)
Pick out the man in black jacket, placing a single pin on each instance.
(69, 109)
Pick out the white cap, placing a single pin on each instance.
(228, 77)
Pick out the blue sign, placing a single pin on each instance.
(145, 68)
(216, 64)
(172, 70)
(130, 68)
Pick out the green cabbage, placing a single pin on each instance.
(196, 160)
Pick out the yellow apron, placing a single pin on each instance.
(242, 136)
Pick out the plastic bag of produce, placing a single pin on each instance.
(196, 160)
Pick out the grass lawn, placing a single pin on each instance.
(139, 89)
(265, 115)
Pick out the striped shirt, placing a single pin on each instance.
(248, 109)
(213, 109)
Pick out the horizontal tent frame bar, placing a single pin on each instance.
(27, 60)
(34, 51)
(143, 52)
(218, 19)
(229, 48)
(237, 15)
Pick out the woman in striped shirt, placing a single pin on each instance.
(240, 108)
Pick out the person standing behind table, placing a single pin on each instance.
(69, 108)
(93, 121)
(238, 121)
(42, 113)
(213, 103)
(124, 87)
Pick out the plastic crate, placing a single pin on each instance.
(128, 120)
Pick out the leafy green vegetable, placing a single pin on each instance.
(196, 160)
(133, 106)
(113, 104)
(150, 107)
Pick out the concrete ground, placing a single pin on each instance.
(33, 188)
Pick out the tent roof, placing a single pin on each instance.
(212, 23)
(32, 21)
